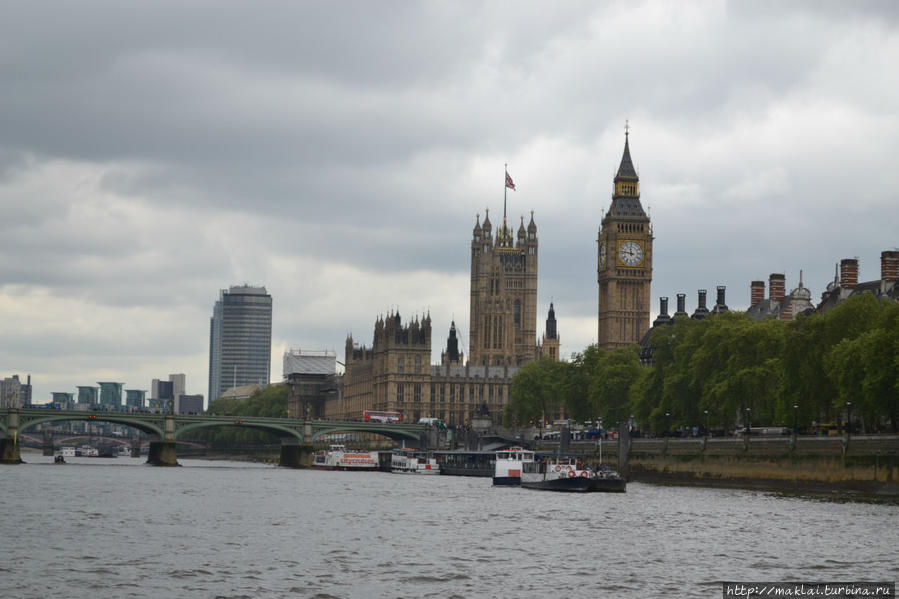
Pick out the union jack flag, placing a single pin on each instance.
(509, 182)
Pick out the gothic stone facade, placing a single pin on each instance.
(503, 316)
(395, 375)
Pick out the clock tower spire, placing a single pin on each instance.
(625, 260)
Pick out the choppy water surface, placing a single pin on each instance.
(117, 528)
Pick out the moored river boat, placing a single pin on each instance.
(509, 465)
(466, 463)
(413, 461)
(568, 474)
(337, 457)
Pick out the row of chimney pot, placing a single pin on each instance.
(889, 272)
(701, 310)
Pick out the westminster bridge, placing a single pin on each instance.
(165, 429)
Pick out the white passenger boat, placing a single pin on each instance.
(86, 451)
(509, 464)
(337, 457)
(413, 461)
(67, 451)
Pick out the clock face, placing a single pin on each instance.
(630, 253)
(602, 254)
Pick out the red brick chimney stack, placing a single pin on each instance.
(889, 266)
(849, 273)
(787, 314)
(776, 284)
(756, 292)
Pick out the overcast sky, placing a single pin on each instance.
(338, 153)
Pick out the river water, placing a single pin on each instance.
(118, 528)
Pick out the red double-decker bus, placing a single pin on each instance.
(375, 416)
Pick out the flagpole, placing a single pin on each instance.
(505, 191)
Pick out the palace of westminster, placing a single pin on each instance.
(395, 373)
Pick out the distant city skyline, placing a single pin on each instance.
(338, 157)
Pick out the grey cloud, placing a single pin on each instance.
(231, 139)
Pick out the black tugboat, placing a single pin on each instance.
(569, 475)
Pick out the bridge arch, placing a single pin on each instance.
(395, 432)
(278, 429)
(150, 426)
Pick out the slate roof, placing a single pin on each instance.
(626, 206)
(626, 171)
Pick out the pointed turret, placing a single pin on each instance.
(452, 345)
(550, 346)
(626, 196)
(626, 170)
(551, 332)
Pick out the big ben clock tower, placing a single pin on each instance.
(625, 261)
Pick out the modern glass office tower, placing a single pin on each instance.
(240, 339)
(111, 394)
(88, 396)
(135, 398)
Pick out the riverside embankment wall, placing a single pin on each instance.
(869, 463)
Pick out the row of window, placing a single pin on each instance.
(495, 393)
(401, 365)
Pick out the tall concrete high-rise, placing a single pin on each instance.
(240, 339)
(178, 384)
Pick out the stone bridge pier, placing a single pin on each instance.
(296, 453)
(9, 445)
(162, 452)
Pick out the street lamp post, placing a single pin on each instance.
(748, 421)
(795, 415)
(707, 432)
(667, 423)
(848, 420)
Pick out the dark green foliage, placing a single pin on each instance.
(268, 402)
(713, 370)
(536, 392)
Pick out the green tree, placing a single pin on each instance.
(610, 386)
(864, 370)
(810, 339)
(536, 391)
(267, 402)
(577, 382)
